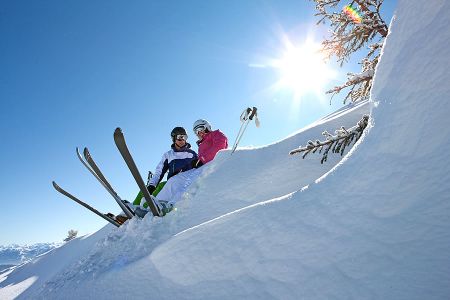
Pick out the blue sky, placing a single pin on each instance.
(73, 71)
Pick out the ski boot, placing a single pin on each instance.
(119, 218)
(165, 206)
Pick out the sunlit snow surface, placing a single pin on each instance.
(377, 226)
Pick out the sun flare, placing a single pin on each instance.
(303, 69)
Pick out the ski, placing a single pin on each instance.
(107, 217)
(119, 139)
(108, 186)
(93, 168)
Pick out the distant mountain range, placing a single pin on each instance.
(14, 254)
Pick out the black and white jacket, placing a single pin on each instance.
(175, 161)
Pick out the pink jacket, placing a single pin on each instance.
(211, 143)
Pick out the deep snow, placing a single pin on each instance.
(375, 226)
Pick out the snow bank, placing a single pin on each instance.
(115, 259)
(377, 227)
(374, 227)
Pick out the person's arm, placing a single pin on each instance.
(219, 142)
(160, 171)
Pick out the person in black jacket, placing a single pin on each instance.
(179, 158)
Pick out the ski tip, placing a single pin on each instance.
(79, 155)
(86, 152)
(55, 185)
(118, 135)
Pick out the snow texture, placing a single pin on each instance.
(375, 226)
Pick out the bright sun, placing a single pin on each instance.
(303, 70)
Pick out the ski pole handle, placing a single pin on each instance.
(253, 113)
(245, 113)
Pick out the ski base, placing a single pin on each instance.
(107, 217)
(94, 170)
(119, 139)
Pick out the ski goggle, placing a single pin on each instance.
(199, 129)
(181, 137)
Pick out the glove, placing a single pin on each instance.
(151, 189)
(196, 163)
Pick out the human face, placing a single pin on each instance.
(200, 132)
(180, 140)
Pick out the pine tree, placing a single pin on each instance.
(365, 32)
(71, 234)
(336, 143)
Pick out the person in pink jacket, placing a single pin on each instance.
(209, 142)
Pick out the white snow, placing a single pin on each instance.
(16, 254)
(362, 75)
(375, 226)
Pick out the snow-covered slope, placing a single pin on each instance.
(377, 226)
(17, 254)
(227, 184)
(34, 274)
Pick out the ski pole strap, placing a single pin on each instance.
(245, 114)
(243, 118)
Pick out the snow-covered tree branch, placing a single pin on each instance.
(337, 143)
(71, 234)
(348, 36)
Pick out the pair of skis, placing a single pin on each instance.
(90, 164)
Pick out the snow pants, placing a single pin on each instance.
(177, 185)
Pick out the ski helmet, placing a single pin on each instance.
(201, 124)
(176, 131)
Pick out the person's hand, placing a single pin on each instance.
(151, 189)
(196, 163)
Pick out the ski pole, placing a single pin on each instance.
(246, 116)
(250, 118)
(243, 118)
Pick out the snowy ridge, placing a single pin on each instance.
(375, 226)
(16, 254)
(227, 178)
